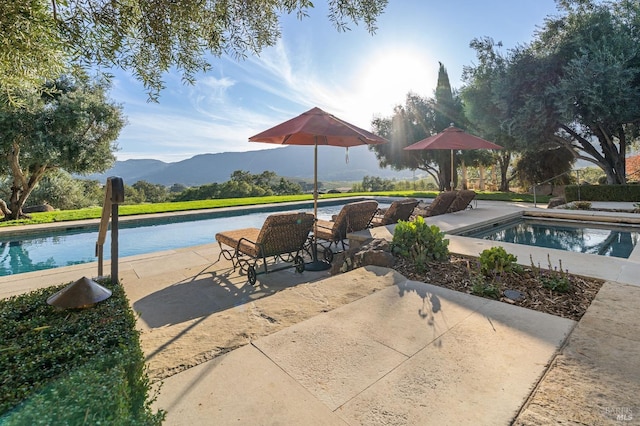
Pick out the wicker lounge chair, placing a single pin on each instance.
(440, 204)
(282, 237)
(398, 210)
(462, 200)
(352, 218)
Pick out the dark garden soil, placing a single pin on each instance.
(460, 273)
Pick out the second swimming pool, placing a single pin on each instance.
(582, 237)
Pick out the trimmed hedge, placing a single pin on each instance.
(75, 366)
(629, 193)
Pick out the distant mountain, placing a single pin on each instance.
(134, 170)
(291, 162)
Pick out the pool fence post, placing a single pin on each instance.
(534, 195)
(578, 178)
(104, 225)
(117, 197)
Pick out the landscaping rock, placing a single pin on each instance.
(555, 202)
(373, 252)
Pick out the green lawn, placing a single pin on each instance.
(139, 209)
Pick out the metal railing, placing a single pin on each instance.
(535, 204)
(114, 195)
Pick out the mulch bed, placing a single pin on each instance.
(457, 273)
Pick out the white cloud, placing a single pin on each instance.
(219, 113)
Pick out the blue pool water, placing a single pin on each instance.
(54, 249)
(600, 239)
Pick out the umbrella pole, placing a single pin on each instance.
(315, 187)
(452, 171)
(315, 264)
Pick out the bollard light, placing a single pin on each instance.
(79, 294)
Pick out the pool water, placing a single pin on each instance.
(33, 252)
(596, 238)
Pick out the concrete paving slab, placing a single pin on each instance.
(328, 360)
(548, 331)
(408, 316)
(615, 310)
(178, 260)
(242, 313)
(224, 392)
(480, 372)
(13, 285)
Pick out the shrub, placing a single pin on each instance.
(77, 366)
(630, 193)
(496, 260)
(419, 243)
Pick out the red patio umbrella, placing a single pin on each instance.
(453, 138)
(317, 127)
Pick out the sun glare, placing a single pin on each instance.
(387, 79)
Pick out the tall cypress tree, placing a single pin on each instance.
(447, 112)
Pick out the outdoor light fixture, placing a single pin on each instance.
(80, 294)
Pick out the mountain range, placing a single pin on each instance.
(291, 162)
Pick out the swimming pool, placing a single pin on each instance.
(52, 249)
(581, 237)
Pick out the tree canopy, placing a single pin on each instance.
(242, 184)
(147, 37)
(71, 125)
(575, 86)
(31, 48)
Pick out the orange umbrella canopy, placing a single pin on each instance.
(453, 138)
(317, 127)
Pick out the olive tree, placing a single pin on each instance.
(576, 85)
(483, 105)
(31, 46)
(71, 125)
(148, 37)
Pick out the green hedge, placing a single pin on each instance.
(78, 366)
(629, 193)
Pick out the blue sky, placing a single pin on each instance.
(353, 75)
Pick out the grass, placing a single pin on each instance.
(141, 209)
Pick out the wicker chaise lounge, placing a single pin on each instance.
(398, 210)
(462, 200)
(353, 217)
(282, 237)
(440, 204)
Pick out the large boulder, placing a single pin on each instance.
(373, 252)
(555, 202)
